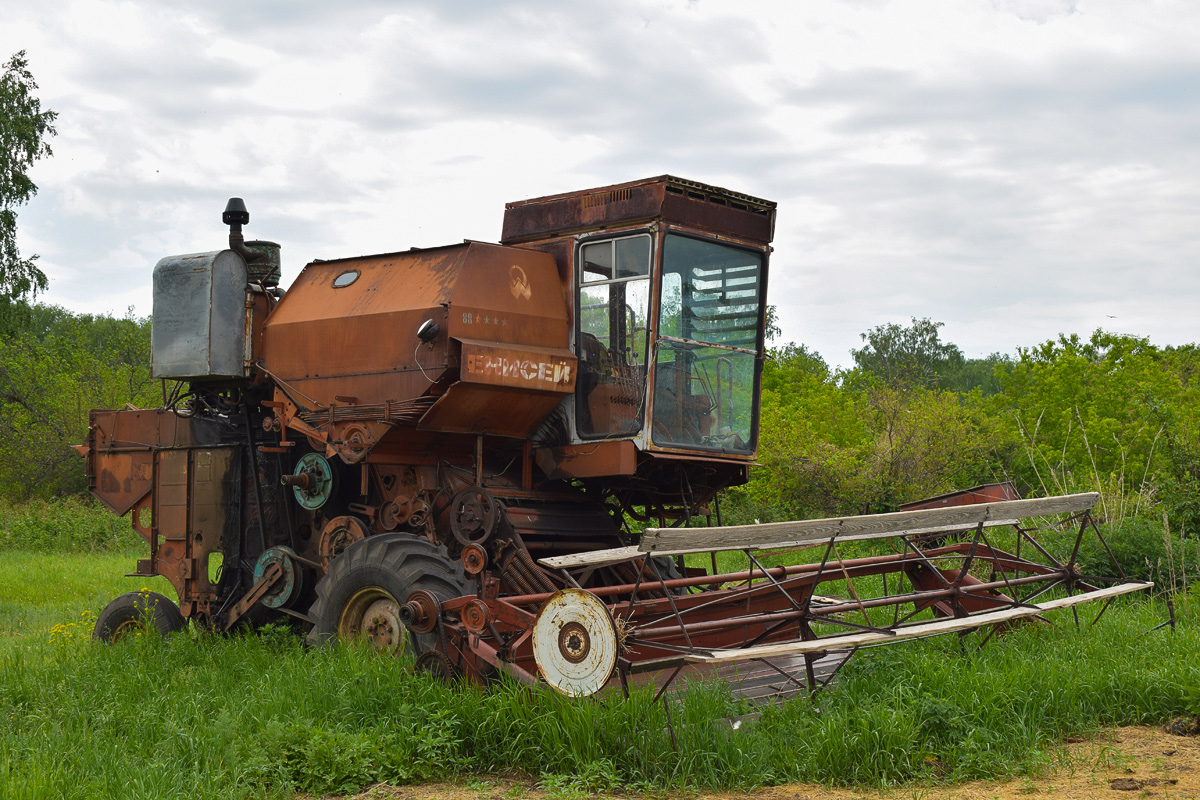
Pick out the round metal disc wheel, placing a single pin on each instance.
(361, 595)
(575, 642)
(136, 614)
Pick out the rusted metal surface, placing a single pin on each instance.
(473, 408)
(735, 615)
(119, 454)
(442, 450)
(985, 493)
(117, 479)
(374, 616)
(256, 593)
(338, 534)
(588, 460)
(545, 369)
(284, 588)
(548, 527)
(665, 197)
(474, 291)
(474, 559)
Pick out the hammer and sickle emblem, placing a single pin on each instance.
(519, 283)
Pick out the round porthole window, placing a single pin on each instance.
(345, 279)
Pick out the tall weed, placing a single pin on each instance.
(64, 525)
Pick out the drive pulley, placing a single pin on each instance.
(311, 481)
(474, 515)
(288, 584)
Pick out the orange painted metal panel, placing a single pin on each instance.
(524, 367)
(120, 462)
(417, 279)
(590, 460)
(358, 339)
(123, 479)
(171, 495)
(492, 410)
(510, 295)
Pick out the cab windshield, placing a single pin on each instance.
(706, 350)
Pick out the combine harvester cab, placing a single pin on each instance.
(439, 451)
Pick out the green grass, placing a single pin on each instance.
(204, 716)
(199, 716)
(66, 525)
(40, 590)
(61, 562)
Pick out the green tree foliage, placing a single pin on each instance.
(809, 429)
(831, 444)
(907, 357)
(985, 374)
(927, 442)
(24, 129)
(914, 356)
(1144, 551)
(1178, 475)
(914, 418)
(771, 329)
(1113, 414)
(53, 370)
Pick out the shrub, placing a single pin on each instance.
(66, 525)
(1145, 550)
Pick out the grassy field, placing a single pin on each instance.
(202, 716)
(41, 590)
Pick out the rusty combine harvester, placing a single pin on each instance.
(439, 450)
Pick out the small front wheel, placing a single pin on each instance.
(135, 613)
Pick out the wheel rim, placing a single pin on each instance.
(575, 642)
(130, 627)
(372, 616)
(320, 475)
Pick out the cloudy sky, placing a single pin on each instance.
(1012, 168)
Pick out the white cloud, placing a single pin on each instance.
(1014, 168)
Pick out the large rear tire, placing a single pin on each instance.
(360, 597)
(135, 614)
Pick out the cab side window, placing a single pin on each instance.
(614, 305)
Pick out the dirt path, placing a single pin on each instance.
(1123, 763)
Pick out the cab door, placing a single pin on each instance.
(614, 327)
